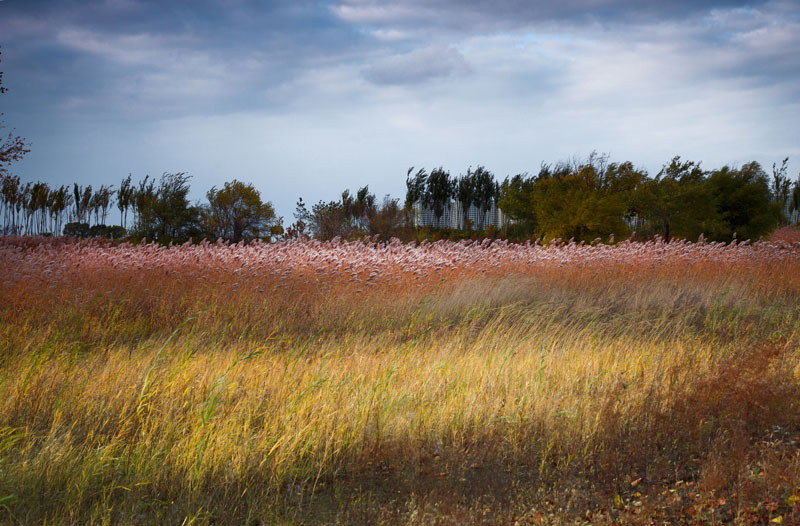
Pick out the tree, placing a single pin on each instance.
(465, 192)
(13, 147)
(82, 198)
(362, 208)
(781, 188)
(302, 218)
(143, 197)
(439, 191)
(329, 220)
(387, 220)
(744, 202)
(236, 213)
(124, 200)
(164, 213)
(678, 202)
(416, 188)
(517, 202)
(485, 192)
(10, 192)
(585, 199)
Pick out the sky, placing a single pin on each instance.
(306, 98)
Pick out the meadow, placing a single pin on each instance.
(388, 383)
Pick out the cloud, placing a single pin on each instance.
(418, 66)
(459, 16)
(308, 99)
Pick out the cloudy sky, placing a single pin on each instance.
(306, 98)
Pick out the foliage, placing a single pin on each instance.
(416, 188)
(744, 202)
(781, 189)
(485, 192)
(585, 200)
(465, 190)
(164, 213)
(125, 196)
(353, 217)
(517, 201)
(236, 213)
(77, 229)
(678, 202)
(439, 190)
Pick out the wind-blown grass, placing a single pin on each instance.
(363, 383)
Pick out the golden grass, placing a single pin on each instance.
(547, 393)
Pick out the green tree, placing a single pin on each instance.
(465, 193)
(416, 188)
(744, 202)
(585, 200)
(781, 188)
(302, 220)
(484, 193)
(517, 202)
(330, 220)
(678, 202)
(440, 189)
(164, 213)
(236, 213)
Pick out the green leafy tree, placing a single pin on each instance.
(517, 202)
(302, 220)
(236, 213)
(416, 188)
(678, 202)
(465, 193)
(484, 194)
(744, 202)
(330, 220)
(164, 213)
(585, 200)
(440, 189)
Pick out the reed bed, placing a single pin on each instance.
(366, 382)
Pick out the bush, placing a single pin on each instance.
(76, 229)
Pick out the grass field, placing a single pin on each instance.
(365, 383)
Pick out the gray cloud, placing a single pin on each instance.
(482, 15)
(418, 66)
(355, 93)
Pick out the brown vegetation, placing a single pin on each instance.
(362, 383)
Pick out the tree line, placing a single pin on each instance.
(155, 209)
(594, 198)
(583, 200)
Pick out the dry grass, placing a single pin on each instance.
(443, 384)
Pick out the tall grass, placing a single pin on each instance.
(534, 384)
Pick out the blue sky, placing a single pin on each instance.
(306, 98)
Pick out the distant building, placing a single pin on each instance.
(453, 217)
